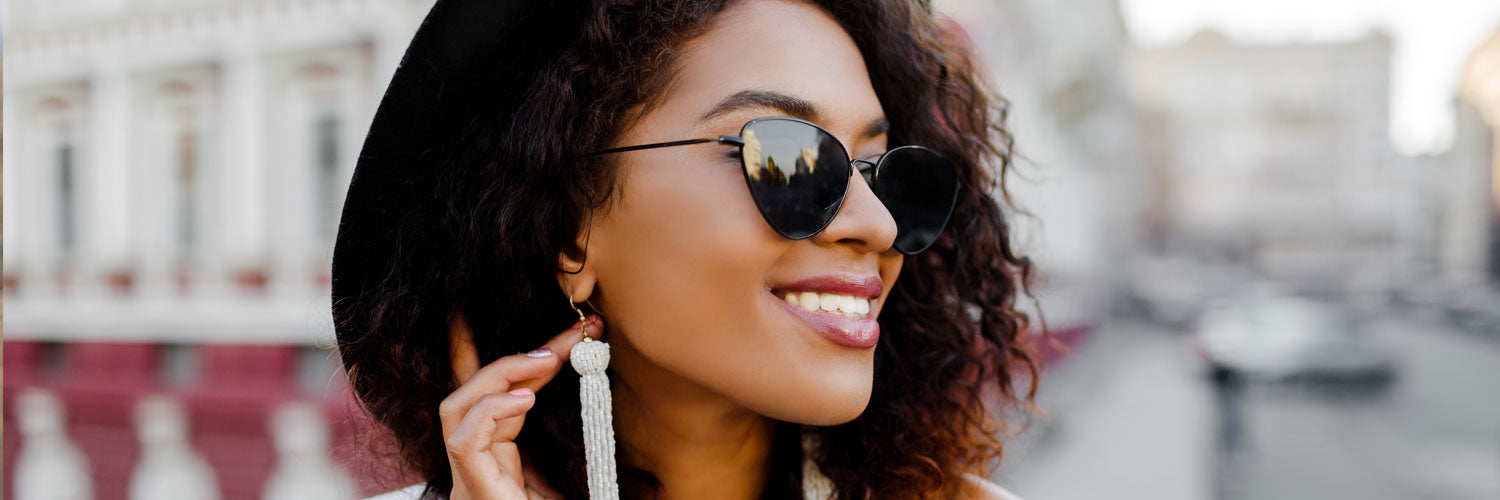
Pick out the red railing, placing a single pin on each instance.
(228, 397)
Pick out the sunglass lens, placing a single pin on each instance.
(919, 187)
(797, 174)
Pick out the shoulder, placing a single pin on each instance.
(413, 492)
(984, 489)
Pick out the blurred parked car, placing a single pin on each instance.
(1285, 338)
(1173, 291)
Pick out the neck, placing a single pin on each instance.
(698, 443)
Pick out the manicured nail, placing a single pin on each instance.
(576, 324)
(522, 392)
(540, 353)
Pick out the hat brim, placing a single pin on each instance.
(467, 58)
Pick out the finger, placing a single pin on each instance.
(477, 430)
(502, 374)
(472, 451)
(502, 438)
(562, 347)
(508, 457)
(474, 481)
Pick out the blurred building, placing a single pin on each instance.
(1453, 238)
(1464, 203)
(174, 171)
(1060, 67)
(1277, 156)
(1478, 140)
(176, 167)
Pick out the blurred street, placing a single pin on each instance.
(1134, 414)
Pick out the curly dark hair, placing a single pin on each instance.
(480, 236)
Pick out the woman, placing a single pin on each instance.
(684, 172)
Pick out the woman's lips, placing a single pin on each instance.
(843, 330)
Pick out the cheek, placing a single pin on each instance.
(684, 279)
(674, 232)
(687, 254)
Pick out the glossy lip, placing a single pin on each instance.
(857, 285)
(842, 330)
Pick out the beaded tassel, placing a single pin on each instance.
(590, 358)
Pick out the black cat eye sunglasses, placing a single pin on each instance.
(798, 174)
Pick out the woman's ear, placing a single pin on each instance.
(578, 286)
(575, 274)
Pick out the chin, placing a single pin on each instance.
(835, 415)
(825, 404)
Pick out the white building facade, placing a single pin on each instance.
(1059, 65)
(175, 168)
(1277, 156)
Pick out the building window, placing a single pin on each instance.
(57, 155)
(178, 149)
(186, 158)
(321, 90)
(66, 196)
(326, 162)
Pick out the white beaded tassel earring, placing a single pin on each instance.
(590, 357)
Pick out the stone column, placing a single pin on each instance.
(104, 186)
(238, 189)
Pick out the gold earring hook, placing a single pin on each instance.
(582, 321)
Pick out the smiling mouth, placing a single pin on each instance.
(842, 319)
(847, 306)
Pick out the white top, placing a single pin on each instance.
(414, 491)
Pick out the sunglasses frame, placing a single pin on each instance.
(870, 166)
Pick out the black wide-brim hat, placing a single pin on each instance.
(467, 59)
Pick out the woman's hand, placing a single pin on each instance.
(483, 416)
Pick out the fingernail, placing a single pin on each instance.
(522, 392)
(540, 353)
(576, 324)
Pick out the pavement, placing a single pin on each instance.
(1131, 415)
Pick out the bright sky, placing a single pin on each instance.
(1432, 40)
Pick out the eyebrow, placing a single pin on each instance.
(793, 106)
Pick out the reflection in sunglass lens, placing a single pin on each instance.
(918, 186)
(797, 174)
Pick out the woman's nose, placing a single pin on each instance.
(863, 222)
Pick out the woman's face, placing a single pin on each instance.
(689, 276)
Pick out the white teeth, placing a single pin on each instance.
(809, 301)
(846, 305)
(829, 302)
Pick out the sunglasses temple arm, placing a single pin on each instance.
(723, 139)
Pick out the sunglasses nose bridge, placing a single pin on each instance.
(854, 167)
(862, 217)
